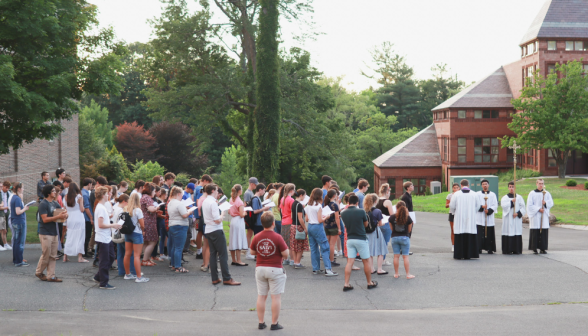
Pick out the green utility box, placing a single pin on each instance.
(475, 182)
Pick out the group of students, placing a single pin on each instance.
(471, 217)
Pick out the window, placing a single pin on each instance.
(579, 45)
(461, 114)
(523, 50)
(569, 45)
(486, 150)
(392, 183)
(487, 114)
(530, 160)
(536, 46)
(530, 48)
(445, 114)
(551, 68)
(478, 114)
(551, 45)
(578, 154)
(445, 148)
(585, 68)
(550, 159)
(509, 155)
(420, 185)
(461, 150)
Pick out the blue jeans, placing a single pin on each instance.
(278, 228)
(317, 238)
(342, 235)
(177, 234)
(401, 244)
(20, 235)
(387, 232)
(162, 235)
(120, 260)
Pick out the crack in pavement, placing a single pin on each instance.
(214, 297)
(366, 294)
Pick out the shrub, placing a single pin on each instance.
(135, 142)
(146, 171)
(586, 185)
(571, 183)
(508, 176)
(183, 178)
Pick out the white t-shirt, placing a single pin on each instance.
(312, 212)
(175, 210)
(211, 213)
(116, 210)
(102, 235)
(135, 216)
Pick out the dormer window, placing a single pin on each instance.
(536, 46)
(569, 45)
(530, 48)
(551, 45)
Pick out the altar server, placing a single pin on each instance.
(539, 204)
(485, 219)
(464, 205)
(513, 210)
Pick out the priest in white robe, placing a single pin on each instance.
(539, 204)
(464, 205)
(485, 219)
(513, 210)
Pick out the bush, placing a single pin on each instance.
(183, 178)
(146, 171)
(571, 183)
(586, 185)
(508, 176)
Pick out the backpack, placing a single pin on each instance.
(128, 227)
(250, 217)
(371, 225)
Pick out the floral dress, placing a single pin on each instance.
(150, 219)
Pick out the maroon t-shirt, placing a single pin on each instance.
(269, 247)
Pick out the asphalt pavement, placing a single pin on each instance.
(496, 294)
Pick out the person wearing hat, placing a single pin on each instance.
(249, 193)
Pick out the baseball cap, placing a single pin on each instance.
(253, 180)
(191, 186)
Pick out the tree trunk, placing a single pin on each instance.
(267, 112)
(562, 162)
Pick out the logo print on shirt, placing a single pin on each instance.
(266, 247)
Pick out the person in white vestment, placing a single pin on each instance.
(75, 224)
(485, 219)
(464, 205)
(539, 205)
(513, 210)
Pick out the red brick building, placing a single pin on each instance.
(469, 124)
(27, 163)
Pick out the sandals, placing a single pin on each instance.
(153, 260)
(347, 288)
(373, 285)
(408, 277)
(396, 276)
(182, 270)
(383, 273)
(148, 263)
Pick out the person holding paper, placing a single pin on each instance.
(332, 222)
(76, 227)
(178, 228)
(319, 245)
(285, 201)
(247, 197)
(257, 207)
(150, 236)
(48, 234)
(134, 241)
(376, 241)
(385, 206)
(401, 228)
(276, 210)
(326, 180)
(18, 219)
(237, 234)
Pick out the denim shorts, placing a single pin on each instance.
(355, 246)
(135, 238)
(401, 244)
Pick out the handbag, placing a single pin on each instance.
(300, 235)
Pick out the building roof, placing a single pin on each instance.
(420, 150)
(491, 92)
(560, 18)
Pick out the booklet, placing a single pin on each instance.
(187, 202)
(305, 200)
(30, 203)
(223, 199)
(341, 194)
(248, 209)
(412, 215)
(327, 211)
(385, 219)
(192, 209)
(155, 204)
(268, 204)
(224, 206)
(267, 201)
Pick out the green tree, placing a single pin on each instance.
(437, 90)
(145, 171)
(267, 112)
(48, 57)
(553, 113)
(230, 173)
(92, 147)
(102, 126)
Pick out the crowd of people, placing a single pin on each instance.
(158, 222)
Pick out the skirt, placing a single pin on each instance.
(377, 243)
(75, 236)
(150, 234)
(295, 244)
(237, 234)
(286, 233)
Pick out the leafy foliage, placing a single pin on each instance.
(102, 126)
(230, 173)
(553, 113)
(175, 147)
(47, 59)
(145, 171)
(135, 142)
(571, 183)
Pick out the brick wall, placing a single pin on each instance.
(27, 163)
(382, 175)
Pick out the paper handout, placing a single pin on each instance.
(327, 211)
(385, 219)
(187, 202)
(224, 206)
(248, 209)
(30, 203)
(305, 200)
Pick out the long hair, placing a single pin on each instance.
(285, 191)
(100, 193)
(328, 198)
(72, 193)
(369, 201)
(235, 191)
(316, 197)
(401, 213)
(134, 203)
(384, 189)
(175, 191)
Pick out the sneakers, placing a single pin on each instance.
(276, 326)
(2, 248)
(96, 281)
(164, 257)
(318, 272)
(199, 256)
(142, 279)
(23, 264)
(330, 273)
(335, 264)
(291, 262)
(108, 286)
(299, 266)
(8, 247)
(250, 257)
(452, 248)
(130, 277)
(336, 253)
(286, 262)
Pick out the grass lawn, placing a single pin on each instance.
(32, 236)
(570, 206)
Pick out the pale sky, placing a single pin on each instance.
(473, 37)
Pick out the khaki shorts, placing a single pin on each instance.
(270, 279)
(2, 222)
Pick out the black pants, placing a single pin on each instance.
(107, 257)
(218, 245)
(89, 227)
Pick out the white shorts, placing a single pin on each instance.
(270, 279)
